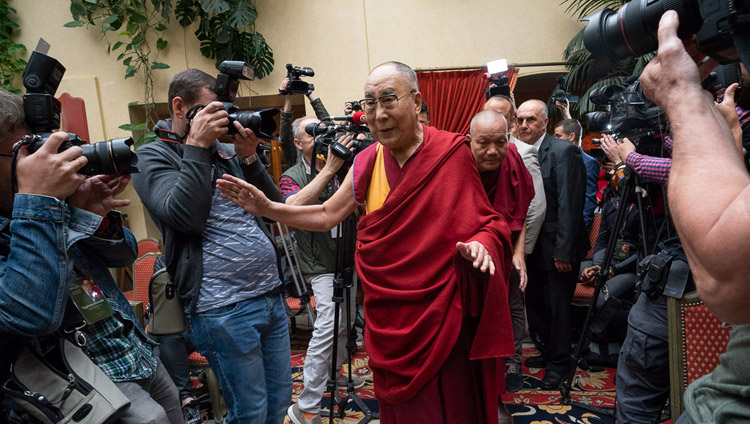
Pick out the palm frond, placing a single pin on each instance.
(583, 8)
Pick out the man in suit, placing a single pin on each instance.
(553, 266)
(570, 130)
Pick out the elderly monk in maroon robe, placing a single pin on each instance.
(509, 188)
(432, 256)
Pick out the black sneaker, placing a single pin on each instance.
(191, 413)
(513, 378)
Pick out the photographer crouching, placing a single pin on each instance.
(55, 277)
(708, 171)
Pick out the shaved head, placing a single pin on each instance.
(403, 70)
(535, 105)
(488, 140)
(489, 118)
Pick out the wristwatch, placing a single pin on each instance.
(249, 160)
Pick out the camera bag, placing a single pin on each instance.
(166, 313)
(62, 385)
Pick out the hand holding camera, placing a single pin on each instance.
(245, 141)
(207, 125)
(49, 173)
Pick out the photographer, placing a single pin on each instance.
(225, 265)
(714, 235)
(317, 253)
(95, 240)
(286, 133)
(33, 305)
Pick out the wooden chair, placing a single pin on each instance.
(696, 339)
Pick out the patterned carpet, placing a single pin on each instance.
(530, 405)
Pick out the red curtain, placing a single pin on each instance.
(453, 97)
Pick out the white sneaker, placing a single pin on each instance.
(341, 381)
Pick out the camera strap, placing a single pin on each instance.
(190, 115)
(25, 141)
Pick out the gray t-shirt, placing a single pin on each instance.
(239, 261)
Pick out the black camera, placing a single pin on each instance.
(41, 77)
(327, 134)
(629, 114)
(227, 82)
(721, 78)
(296, 85)
(356, 107)
(563, 92)
(722, 29)
(498, 86)
(106, 157)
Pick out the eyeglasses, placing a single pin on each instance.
(6, 155)
(389, 101)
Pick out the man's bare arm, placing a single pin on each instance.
(312, 217)
(709, 188)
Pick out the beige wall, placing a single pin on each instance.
(340, 39)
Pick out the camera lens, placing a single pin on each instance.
(614, 38)
(261, 121)
(110, 157)
(598, 122)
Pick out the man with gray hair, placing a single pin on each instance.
(563, 243)
(303, 185)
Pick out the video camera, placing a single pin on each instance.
(629, 114)
(41, 77)
(296, 85)
(327, 134)
(227, 82)
(500, 86)
(563, 92)
(721, 27)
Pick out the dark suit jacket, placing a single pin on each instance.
(592, 186)
(563, 234)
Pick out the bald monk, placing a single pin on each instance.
(430, 253)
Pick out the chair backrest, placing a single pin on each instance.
(73, 116)
(143, 269)
(594, 233)
(146, 246)
(696, 339)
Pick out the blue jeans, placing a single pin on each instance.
(247, 345)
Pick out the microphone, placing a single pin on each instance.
(357, 118)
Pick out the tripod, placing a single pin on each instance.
(343, 281)
(629, 186)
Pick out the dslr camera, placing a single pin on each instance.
(296, 85)
(41, 77)
(261, 121)
(628, 114)
(721, 27)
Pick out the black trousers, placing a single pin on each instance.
(548, 298)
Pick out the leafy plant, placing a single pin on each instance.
(129, 26)
(226, 30)
(136, 28)
(11, 54)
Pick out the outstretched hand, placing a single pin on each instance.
(474, 251)
(244, 194)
